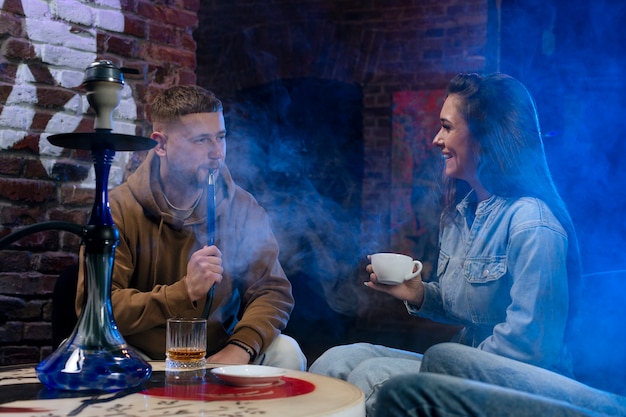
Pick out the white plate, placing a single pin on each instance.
(249, 375)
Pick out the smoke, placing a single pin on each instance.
(297, 147)
(597, 332)
(579, 86)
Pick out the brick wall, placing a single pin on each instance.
(384, 46)
(46, 46)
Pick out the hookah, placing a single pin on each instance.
(95, 357)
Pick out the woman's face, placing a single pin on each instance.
(455, 143)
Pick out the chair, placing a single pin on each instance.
(598, 331)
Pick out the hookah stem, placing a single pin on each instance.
(210, 209)
(211, 221)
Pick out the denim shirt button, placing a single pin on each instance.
(485, 272)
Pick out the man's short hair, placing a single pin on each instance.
(181, 100)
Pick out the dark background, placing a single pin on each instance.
(302, 147)
(571, 56)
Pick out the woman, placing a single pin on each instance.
(508, 251)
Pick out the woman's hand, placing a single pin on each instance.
(411, 290)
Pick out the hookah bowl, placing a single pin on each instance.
(95, 357)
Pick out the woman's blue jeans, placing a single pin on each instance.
(367, 366)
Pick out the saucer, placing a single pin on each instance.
(249, 375)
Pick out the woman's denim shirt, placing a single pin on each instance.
(502, 275)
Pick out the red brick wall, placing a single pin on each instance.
(384, 46)
(44, 54)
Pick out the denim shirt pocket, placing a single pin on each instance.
(486, 291)
(479, 271)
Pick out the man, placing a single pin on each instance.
(164, 265)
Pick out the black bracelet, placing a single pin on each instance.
(248, 350)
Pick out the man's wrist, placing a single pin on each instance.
(245, 347)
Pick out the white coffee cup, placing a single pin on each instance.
(394, 268)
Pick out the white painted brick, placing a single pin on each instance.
(9, 137)
(61, 56)
(22, 94)
(63, 123)
(74, 11)
(68, 78)
(124, 127)
(84, 40)
(73, 105)
(110, 20)
(116, 175)
(46, 31)
(84, 103)
(90, 185)
(127, 110)
(17, 117)
(37, 9)
(59, 33)
(127, 92)
(23, 75)
(90, 181)
(121, 158)
(113, 4)
(47, 163)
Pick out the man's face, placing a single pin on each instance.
(192, 147)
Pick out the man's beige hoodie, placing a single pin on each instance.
(253, 302)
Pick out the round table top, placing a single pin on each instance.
(296, 394)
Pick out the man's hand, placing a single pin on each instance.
(203, 270)
(231, 354)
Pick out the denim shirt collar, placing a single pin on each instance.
(468, 207)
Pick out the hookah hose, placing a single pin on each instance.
(210, 233)
(40, 227)
(209, 303)
(81, 231)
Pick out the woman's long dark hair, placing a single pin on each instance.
(503, 123)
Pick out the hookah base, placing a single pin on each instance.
(82, 369)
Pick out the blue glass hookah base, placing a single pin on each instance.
(80, 369)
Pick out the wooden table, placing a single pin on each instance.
(297, 394)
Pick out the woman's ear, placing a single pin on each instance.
(161, 140)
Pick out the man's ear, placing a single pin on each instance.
(161, 140)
